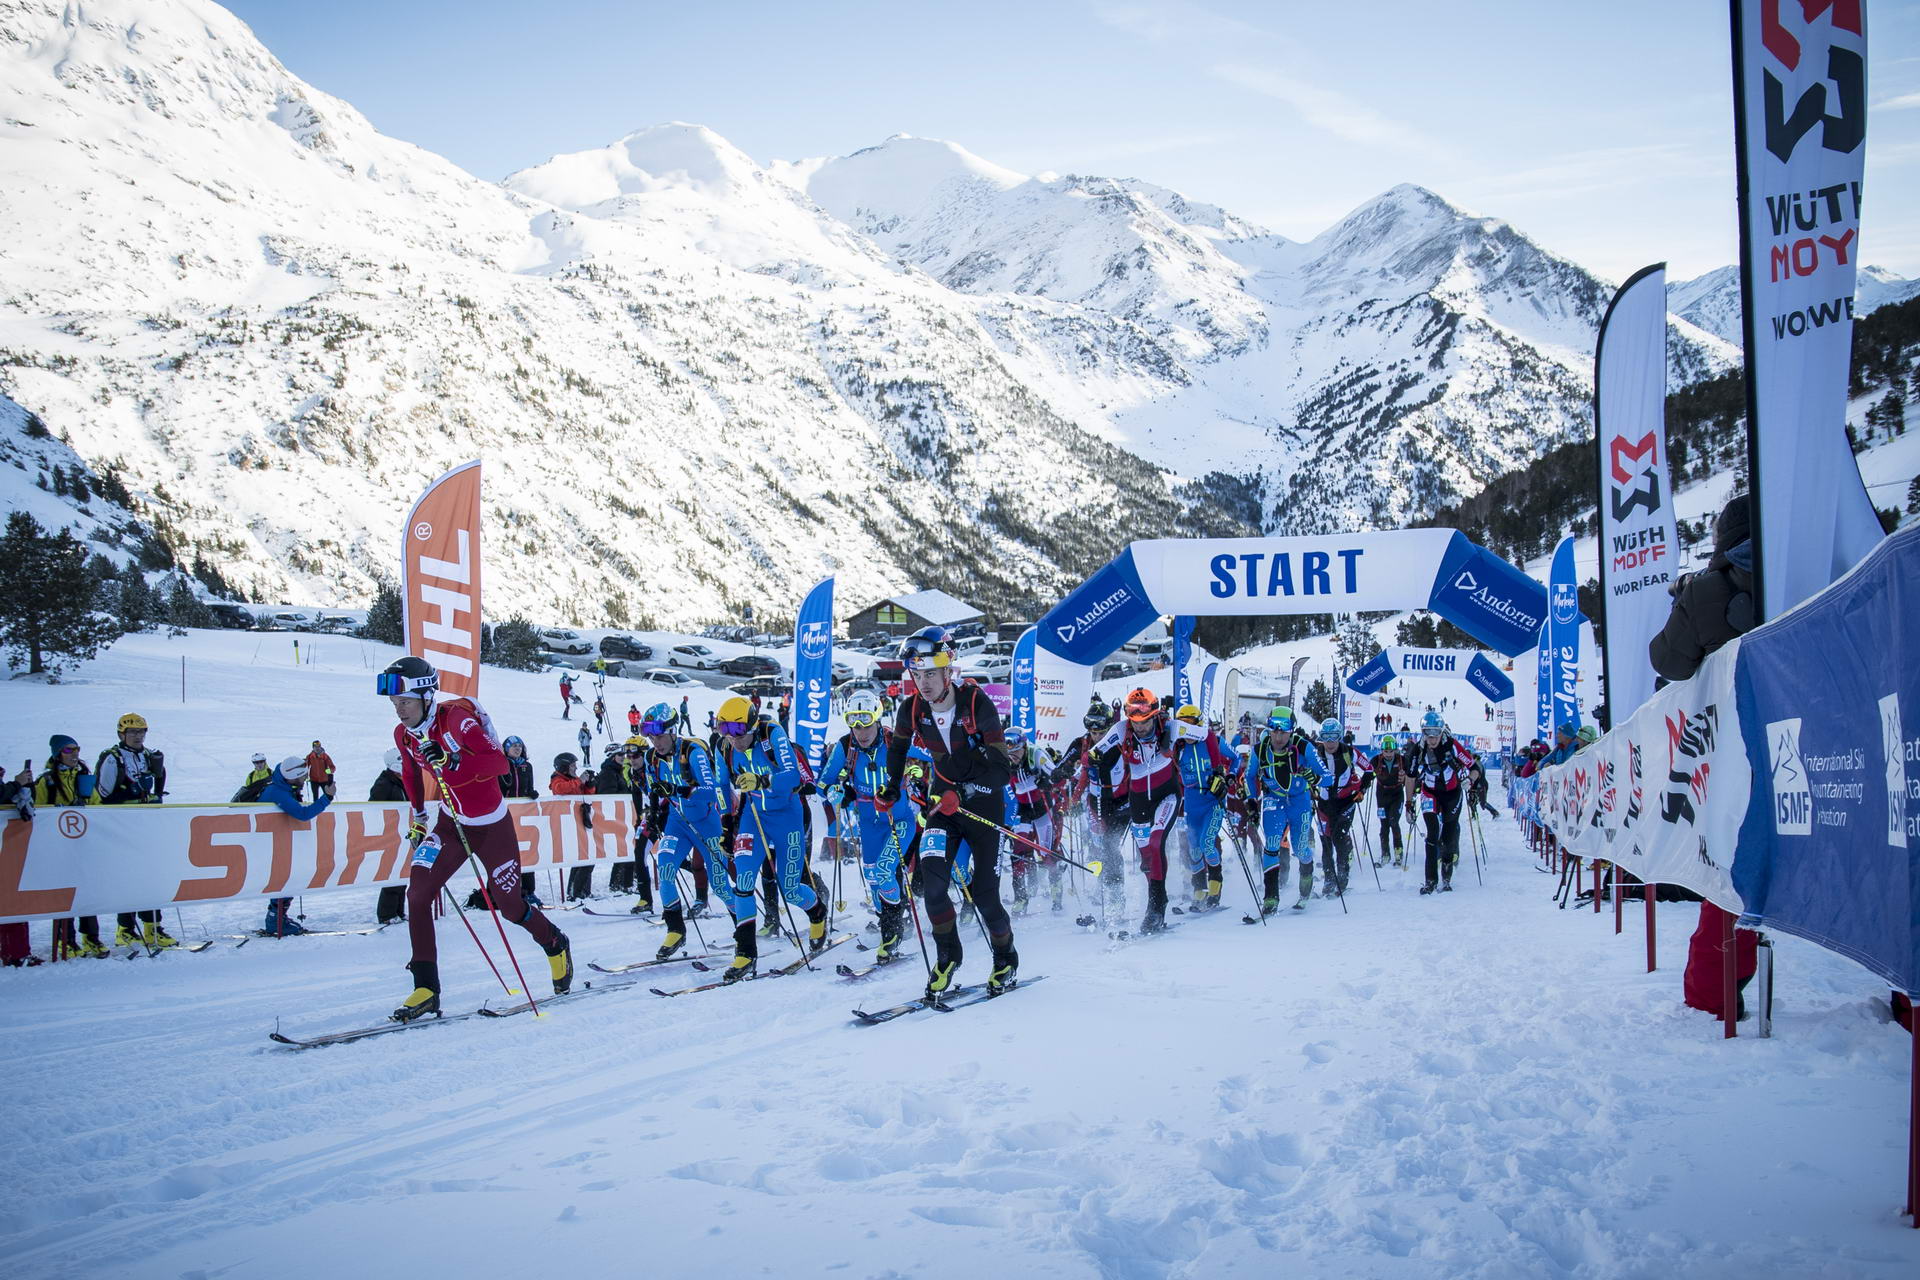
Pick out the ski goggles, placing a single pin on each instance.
(927, 661)
(391, 684)
(862, 719)
(733, 728)
(653, 728)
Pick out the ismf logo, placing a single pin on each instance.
(1632, 489)
(815, 641)
(1846, 71)
(72, 824)
(1566, 604)
(1792, 797)
(1892, 744)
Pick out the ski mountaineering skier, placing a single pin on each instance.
(685, 801)
(1032, 814)
(1439, 767)
(959, 728)
(761, 779)
(1337, 798)
(852, 779)
(451, 758)
(1281, 771)
(1389, 793)
(1206, 770)
(1102, 784)
(1143, 744)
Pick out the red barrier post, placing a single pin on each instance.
(1619, 901)
(1646, 890)
(1596, 886)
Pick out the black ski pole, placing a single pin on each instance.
(1259, 903)
(691, 918)
(779, 889)
(1366, 841)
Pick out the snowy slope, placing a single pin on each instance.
(1712, 301)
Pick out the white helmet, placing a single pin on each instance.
(863, 708)
(294, 768)
(393, 759)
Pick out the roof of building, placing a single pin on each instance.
(936, 607)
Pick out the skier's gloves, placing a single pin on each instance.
(745, 781)
(683, 791)
(887, 797)
(433, 753)
(948, 804)
(417, 829)
(1217, 784)
(837, 796)
(916, 770)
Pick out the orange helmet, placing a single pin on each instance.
(1142, 705)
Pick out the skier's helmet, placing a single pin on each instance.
(1098, 718)
(513, 740)
(131, 720)
(1142, 705)
(1389, 744)
(1015, 737)
(565, 761)
(1189, 713)
(408, 677)
(863, 709)
(735, 716)
(1433, 726)
(392, 759)
(1331, 730)
(927, 649)
(658, 719)
(294, 768)
(1281, 718)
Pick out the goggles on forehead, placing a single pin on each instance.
(653, 728)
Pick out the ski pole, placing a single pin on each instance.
(913, 909)
(1240, 852)
(1014, 835)
(457, 910)
(1474, 846)
(785, 906)
(1366, 839)
(691, 918)
(486, 890)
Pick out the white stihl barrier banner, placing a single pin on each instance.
(1664, 794)
(100, 859)
(1638, 543)
(1800, 112)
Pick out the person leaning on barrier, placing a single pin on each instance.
(283, 793)
(1712, 605)
(65, 781)
(129, 773)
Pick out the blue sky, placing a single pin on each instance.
(1603, 131)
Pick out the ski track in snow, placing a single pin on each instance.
(1469, 1085)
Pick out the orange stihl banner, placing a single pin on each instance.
(96, 860)
(440, 578)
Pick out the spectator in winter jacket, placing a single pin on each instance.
(256, 782)
(283, 793)
(566, 697)
(621, 773)
(320, 771)
(260, 771)
(566, 781)
(16, 946)
(633, 718)
(64, 781)
(686, 716)
(1713, 605)
(386, 789)
(129, 773)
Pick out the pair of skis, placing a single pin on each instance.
(780, 971)
(437, 1020)
(952, 1001)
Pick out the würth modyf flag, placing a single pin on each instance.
(440, 578)
(1800, 124)
(1638, 545)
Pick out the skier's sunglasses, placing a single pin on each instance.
(653, 728)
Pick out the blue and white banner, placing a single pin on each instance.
(1639, 549)
(1800, 124)
(1830, 707)
(1782, 782)
(813, 673)
(1208, 711)
(1390, 664)
(1182, 655)
(1563, 644)
(1021, 681)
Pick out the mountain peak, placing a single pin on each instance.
(659, 156)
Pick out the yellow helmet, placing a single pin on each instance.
(1189, 713)
(131, 720)
(735, 710)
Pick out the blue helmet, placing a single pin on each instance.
(657, 718)
(1433, 722)
(1015, 736)
(1331, 730)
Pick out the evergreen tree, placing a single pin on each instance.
(1417, 631)
(515, 646)
(1318, 704)
(47, 597)
(1353, 643)
(136, 603)
(185, 609)
(386, 620)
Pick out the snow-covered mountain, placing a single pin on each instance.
(699, 381)
(1711, 302)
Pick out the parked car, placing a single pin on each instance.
(563, 640)
(336, 623)
(580, 662)
(842, 673)
(765, 686)
(966, 630)
(889, 670)
(231, 616)
(670, 678)
(1004, 647)
(750, 664)
(1114, 670)
(989, 667)
(618, 646)
(287, 620)
(965, 645)
(697, 656)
